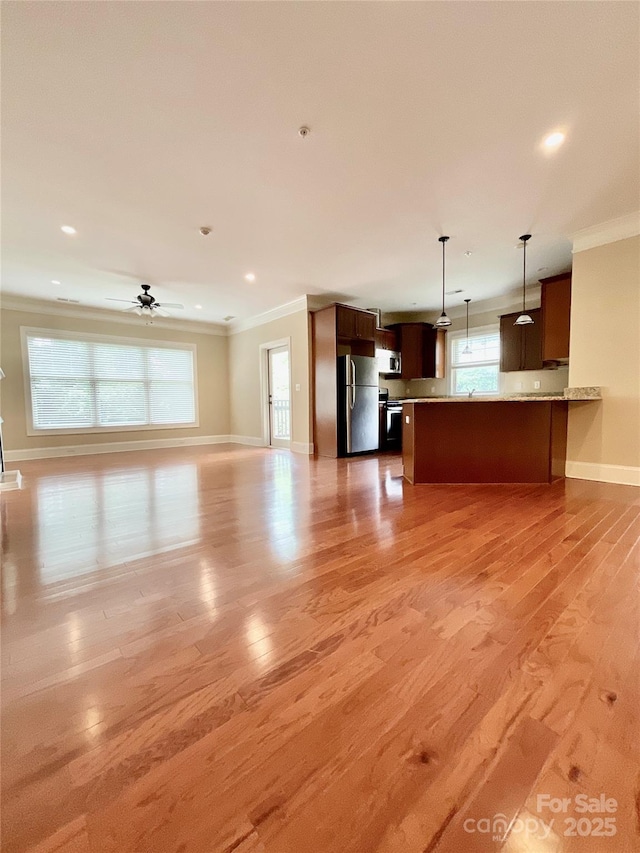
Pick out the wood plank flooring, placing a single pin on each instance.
(240, 650)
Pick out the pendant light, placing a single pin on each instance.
(443, 321)
(524, 319)
(467, 350)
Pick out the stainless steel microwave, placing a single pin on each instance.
(388, 362)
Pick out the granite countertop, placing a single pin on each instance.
(591, 392)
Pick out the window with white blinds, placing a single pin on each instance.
(475, 363)
(79, 383)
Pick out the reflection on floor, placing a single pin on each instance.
(87, 521)
(246, 650)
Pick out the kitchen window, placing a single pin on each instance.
(96, 383)
(476, 372)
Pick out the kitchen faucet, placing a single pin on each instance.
(471, 393)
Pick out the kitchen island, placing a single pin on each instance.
(514, 439)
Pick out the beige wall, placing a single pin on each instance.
(605, 351)
(244, 377)
(213, 393)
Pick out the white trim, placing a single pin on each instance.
(13, 302)
(10, 480)
(113, 447)
(626, 475)
(64, 335)
(302, 447)
(285, 310)
(607, 232)
(251, 440)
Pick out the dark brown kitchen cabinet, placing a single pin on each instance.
(355, 324)
(387, 339)
(521, 346)
(422, 350)
(335, 330)
(556, 313)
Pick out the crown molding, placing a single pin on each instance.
(300, 304)
(607, 232)
(12, 302)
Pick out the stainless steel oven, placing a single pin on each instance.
(390, 422)
(393, 437)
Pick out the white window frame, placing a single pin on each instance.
(61, 334)
(456, 336)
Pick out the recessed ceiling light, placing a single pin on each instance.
(198, 307)
(54, 281)
(554, 140)
(468, 254)
(250, 276)
(68, 229)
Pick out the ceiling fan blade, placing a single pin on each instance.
(171, 305)
(160, 311)
(135, 309)
(111, 299)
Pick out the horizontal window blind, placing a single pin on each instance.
(483, 348)
(475, 372)
(85, 384)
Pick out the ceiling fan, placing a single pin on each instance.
(145, 305)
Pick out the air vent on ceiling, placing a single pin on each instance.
(64, 299)
(452, 292)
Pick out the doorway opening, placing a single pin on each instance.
(277, 409)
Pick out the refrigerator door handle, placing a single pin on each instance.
(353, 383)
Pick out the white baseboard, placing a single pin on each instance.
(302, 447)
(251, 440)
(149, 444)
(112, 447)
(625, 475)
(254, 441)
(10, 480)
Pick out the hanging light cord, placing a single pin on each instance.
(444, 239)
(524, 274)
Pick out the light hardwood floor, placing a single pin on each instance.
(245, 650)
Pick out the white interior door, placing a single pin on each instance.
(279, 397)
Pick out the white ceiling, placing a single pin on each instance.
(139, 122)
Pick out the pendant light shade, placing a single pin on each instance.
(443, 321)
(467, 350)
(524, 319)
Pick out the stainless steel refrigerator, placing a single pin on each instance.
(358, 419)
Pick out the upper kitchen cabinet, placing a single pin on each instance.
(422, 350)
(521, 346)
(556, 317)
(387, 339)
(355, 323)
